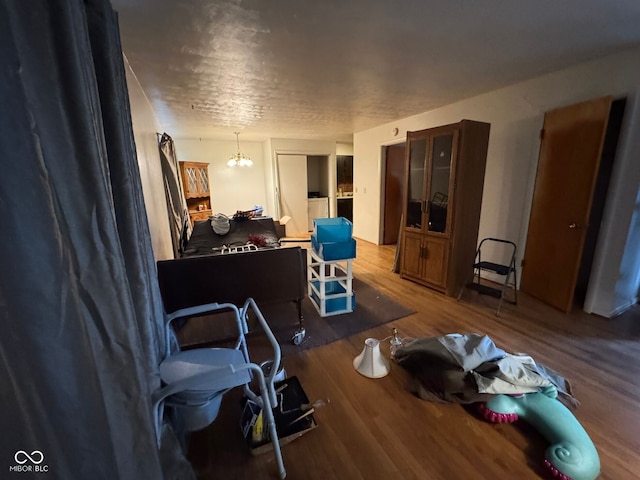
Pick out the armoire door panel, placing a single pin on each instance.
(415, 196)
(412, 255)
(439, 182)
(435, 261)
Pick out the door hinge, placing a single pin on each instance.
(542, 134)
(522, 262)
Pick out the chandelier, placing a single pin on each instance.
(239, 159)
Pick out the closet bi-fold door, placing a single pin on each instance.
(292, 192)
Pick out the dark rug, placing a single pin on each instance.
(373, 308)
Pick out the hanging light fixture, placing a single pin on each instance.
(239, 159)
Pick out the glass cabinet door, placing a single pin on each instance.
(416, 183)
(204, 180)
(441, 157)
(192, 180)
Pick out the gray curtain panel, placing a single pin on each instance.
(176, 204)
(80, 312)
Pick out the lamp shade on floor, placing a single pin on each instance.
(370, 362)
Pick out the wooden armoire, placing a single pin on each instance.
(444, 179)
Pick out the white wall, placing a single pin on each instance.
(232, 188)
(516, 114)
(344, 148)
(145, 126)
(241, 188)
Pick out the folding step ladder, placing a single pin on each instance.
(505, 269)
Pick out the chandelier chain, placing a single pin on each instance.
(239, 159)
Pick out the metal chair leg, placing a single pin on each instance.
(268, 412)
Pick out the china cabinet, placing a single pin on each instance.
(444, 179)
(195, 184)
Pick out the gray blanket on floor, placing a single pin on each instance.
(470, 368)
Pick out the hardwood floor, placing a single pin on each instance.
(377, 429)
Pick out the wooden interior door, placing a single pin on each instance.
(393, 182)
(292, 192)
(570, 151)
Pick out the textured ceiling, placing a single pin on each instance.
(326, 69)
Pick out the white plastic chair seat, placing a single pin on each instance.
(216, 370)
(189, 363)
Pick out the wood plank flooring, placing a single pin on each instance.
(377, 429)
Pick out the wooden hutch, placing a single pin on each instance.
(444, 179)
(195, 184)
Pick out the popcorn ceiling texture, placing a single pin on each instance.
(324, 70)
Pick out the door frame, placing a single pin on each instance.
(331, 176)
(383, 193)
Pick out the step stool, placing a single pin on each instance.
(507, 270)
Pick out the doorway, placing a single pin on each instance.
(344, 188)
(302, 190)
(292, 192)
(599, 197)
(393, 183)
(317, 188)
(577, 150)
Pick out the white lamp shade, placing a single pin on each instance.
(370, 362)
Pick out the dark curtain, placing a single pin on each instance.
(80, 309)
(176, 204)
